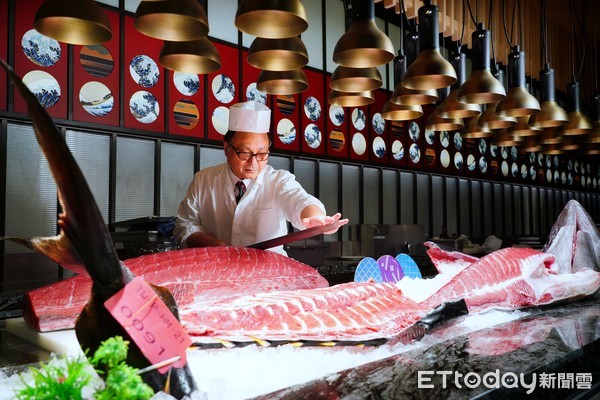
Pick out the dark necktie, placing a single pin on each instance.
(240, 189)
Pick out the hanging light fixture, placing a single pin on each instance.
(552, 150)
(472, 130)
(400, 112)
(437, 123)
(594, 136)
(401, 94)
(523, 128)
(282, 82)
(491, 120)
(578, 123)
(549, 136)
(481, 87)
(530, 144)
(363, 45)
(76, 22)
(194, 56)
(551, 114)
(451, 107)
(518, 102)
(430, 70)
(278, 54)
(345, 79)
(172, 20)
(272, 19)
(503, 138)
(347, 99)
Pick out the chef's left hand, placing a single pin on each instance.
(320, 220)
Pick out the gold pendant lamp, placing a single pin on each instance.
(550, 114)
(578, 123)
(472, 130)
(171, 20)
(278, 54)
(549, 136)
(530, 144)
(194, 56)
(400, 112)
(503, 138)
(518, 102)
(451, 107)
(481, 87)
(491, 120)
(271, 19)
(282, 82)
(363, 45)
(552, 150)
(437, 123)
(348, 99)
(76, 22)
(571, 143)
(430, 70)
(346, 79)
(401, 94)
(523, 128)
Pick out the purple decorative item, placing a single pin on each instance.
(390, 269)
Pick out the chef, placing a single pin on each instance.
(245, 200)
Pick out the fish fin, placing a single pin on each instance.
(56, 248)
(260, 342)
(81, 221)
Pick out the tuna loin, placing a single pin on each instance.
(349, 311)
(194, 276)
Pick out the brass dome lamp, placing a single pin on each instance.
(481, 87)
(472, 130)
(400, 112)
(518, 102)
(550, 114)
(549, 136)
(401, 94)
(195, 56)
(491, 120)
(346, 79)
(451, 107)
(523, 128)
(552, 150)
(347, 99)
(437, 123)
(271, 19)
(278, 54)
(530, 144)
(76, 22)
(172, 20)
(570, 143)
(578, 123)
(430, 70)
(282, 82)
(363, 45)
(503, 138)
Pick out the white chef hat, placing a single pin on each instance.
(249, 116)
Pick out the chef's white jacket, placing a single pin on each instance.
(273, 198)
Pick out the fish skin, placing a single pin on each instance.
(86, 237)
(193, 275)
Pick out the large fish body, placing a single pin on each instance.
(195, 276)
(85, 239)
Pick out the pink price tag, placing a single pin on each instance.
(150, 323)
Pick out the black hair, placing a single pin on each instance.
(229, 136)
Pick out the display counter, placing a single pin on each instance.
(555, 351)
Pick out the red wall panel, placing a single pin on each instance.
(44, 52)
(313, 115)
(99, 64)
(3, 51)
(378, 128)
(223, 91)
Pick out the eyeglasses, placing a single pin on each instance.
(247, 155)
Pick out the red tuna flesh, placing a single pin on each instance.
(194, 276)
(349, 311)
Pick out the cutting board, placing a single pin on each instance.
(62, 343)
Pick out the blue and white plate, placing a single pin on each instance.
(39, 49)
(144, 71)
(312, 108)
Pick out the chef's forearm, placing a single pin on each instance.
(201, 239)
(311, 211)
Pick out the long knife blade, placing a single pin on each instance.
(295, 236)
